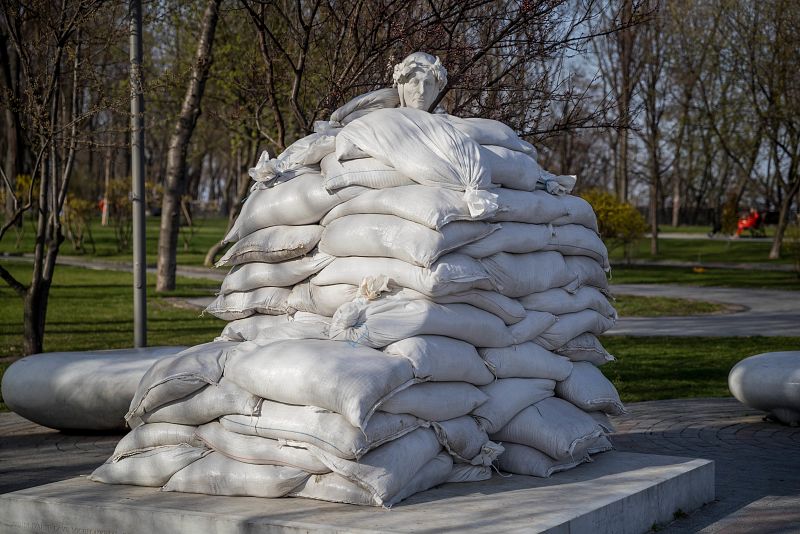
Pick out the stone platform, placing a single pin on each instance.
(620, 492)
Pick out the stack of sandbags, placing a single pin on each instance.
(406, 292)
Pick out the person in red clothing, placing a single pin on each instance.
(748, 222)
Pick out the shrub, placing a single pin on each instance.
(77, 217)
(620, 223)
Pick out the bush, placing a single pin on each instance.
(77, 217)
(119, 211)
(620, 223)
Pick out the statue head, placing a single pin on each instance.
(419, 78)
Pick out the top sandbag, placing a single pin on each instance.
(443, 156)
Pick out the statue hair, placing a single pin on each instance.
(420, 61)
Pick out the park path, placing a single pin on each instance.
(762, 312)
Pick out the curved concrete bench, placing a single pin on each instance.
(769, 382)
(78, 390)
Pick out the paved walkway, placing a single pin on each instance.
(763, 312)
(757, 463)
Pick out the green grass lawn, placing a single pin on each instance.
(91, 309)
(653, 368)
(704, 251)
(622, 274)
(207, 231)
(703, 229)
(637, 306)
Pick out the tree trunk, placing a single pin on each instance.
(175, 180)
(783, 219)
(625, 44)
(654, 195)
(15, 143)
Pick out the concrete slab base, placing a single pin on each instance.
(618, 493)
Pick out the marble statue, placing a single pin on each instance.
(419, 78)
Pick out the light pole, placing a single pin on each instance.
(137, 177)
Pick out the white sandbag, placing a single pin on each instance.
(176, 377)
(303, 200)
(346, 378)
(306, 151)
(366, 103)
(588, 389)
(297, 329)
(326, 299)
(322, 428)
(452, 273)
(205, 405)
(513, 169)
(437, 471)
(528, 329)
(152, 467)
(273, 244)
(385, 471)
(588, 271)
(523, 460)
(241, 304)
(554, 426)
(323, 300)
(519, 238)
(491, 132)
(604, 421)
(570, 325)
(86, 390)
(517, 170)
(507, 397)
(527, 360)
(443, 156)
(585, 348)
(389, 236)
(435, 401)
(335, 488)
(217, 474)
(442, 359)
(154, 435)
(432, 207)
(559, 301)
(601, 444)
(248, 328)
(365, 172)
(508, 309)
(469, 473)
(539, 207)
(382, 322)
(257, 450)
(466, 441)
(578, 240)
(249, 276)
(516, 275)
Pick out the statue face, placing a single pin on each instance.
(419, 91)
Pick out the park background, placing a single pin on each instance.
(677, 117)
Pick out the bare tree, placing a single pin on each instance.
(53, 79)
(176, 175)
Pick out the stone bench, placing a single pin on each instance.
(769, 382)
(78, 390)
